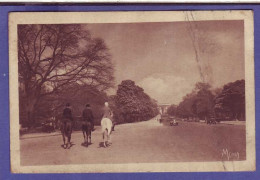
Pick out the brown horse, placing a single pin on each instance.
(66, 130)
(86, 130)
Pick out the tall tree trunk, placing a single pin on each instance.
(29, 108)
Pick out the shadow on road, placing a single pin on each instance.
(67, 147)
(101, 144)
(85, 144)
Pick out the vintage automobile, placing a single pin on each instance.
(211, 120)
(173, 123)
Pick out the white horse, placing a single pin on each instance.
(106, 125)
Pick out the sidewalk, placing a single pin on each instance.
(40, 134)
(228, 122)
(233, 122)
(43, 134)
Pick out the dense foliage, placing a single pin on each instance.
(204, 102)
(132, 104)
(172, 110)
(77, 95)
(231, 100)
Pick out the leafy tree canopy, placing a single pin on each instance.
(133, 104)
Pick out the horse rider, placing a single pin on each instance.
(108, 114)
(67, 114)
(87, 116)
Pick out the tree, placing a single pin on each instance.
(198, 103)
(185, 108)
(133, 104)
(172, 110)
(78, 96)
(232, 99)
(204, 101)
(51, 57)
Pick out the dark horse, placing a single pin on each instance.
(86, 130)
(66, 130)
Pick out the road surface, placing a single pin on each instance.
(142, 142)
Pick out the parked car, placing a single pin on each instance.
(173, 123)
(211, 120)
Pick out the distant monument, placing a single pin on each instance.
(163, 107)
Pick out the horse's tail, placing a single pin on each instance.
(87, 127)
(106, 124)
(68, 129)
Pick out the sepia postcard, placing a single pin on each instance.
(140, 91)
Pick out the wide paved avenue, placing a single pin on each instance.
(142, 142)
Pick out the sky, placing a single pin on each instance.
(161, 58)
